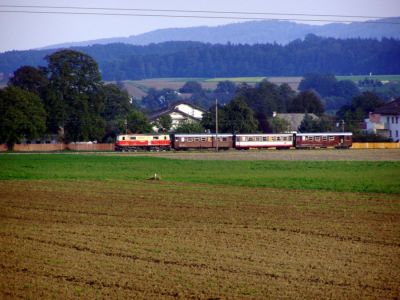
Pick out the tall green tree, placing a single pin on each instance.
(164, 123)
(189, 127)
(239, 118)
(22, 115)
(361, 105)
(307, 102)
(279, 125)
(30, 79)
(137, 122)
(76, 97)
(116, 108)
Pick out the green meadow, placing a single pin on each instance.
(339, 176)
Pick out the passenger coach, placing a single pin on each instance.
(324, 140)
(249, 141)
(185, 141)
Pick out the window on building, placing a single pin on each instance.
(397, 133)
(390, 133)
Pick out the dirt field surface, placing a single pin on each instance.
(318, 155)
(146, 240)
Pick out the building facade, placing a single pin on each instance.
(385, 121)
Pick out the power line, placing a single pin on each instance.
(191, 16)
(189, 11)
(186, 15)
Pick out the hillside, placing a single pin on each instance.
(194, 59)
(253, 32)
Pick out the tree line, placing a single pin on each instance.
(68, 98)
(194, 59)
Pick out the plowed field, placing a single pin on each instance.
(155, 239)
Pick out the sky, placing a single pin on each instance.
(22, 31)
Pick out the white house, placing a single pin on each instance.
(385, 121)
(180, 113)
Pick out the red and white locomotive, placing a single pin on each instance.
(185, 141)
(150, 142)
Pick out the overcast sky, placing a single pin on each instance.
(20, 31)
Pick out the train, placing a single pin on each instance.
(226, 141)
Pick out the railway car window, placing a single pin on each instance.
(310, 138)
(209, 139)
(285, 138)
(264, 138)
(183, 139)
(133, 138)
(317, 138)
(278, 138)
(197, 139)
(348, 138)
(203, 139)
(224, 139)
(250, 139)
(331, 138)
(190, 140)
(324, 138)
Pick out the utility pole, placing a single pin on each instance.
(216, 125)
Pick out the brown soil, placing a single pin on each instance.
(117, 239)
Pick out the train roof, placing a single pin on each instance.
(202, 134)
(324, 133)
(264, 134)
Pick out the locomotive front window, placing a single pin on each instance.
(155, 137)
(123, 138)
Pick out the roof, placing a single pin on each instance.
(324, 133)
(159, 114)
(390, 108)
(172, 108)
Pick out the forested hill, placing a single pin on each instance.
(194, 59)
(256, 32)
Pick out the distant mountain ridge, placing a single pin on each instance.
(255, 32)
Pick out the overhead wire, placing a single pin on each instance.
(199, 14)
